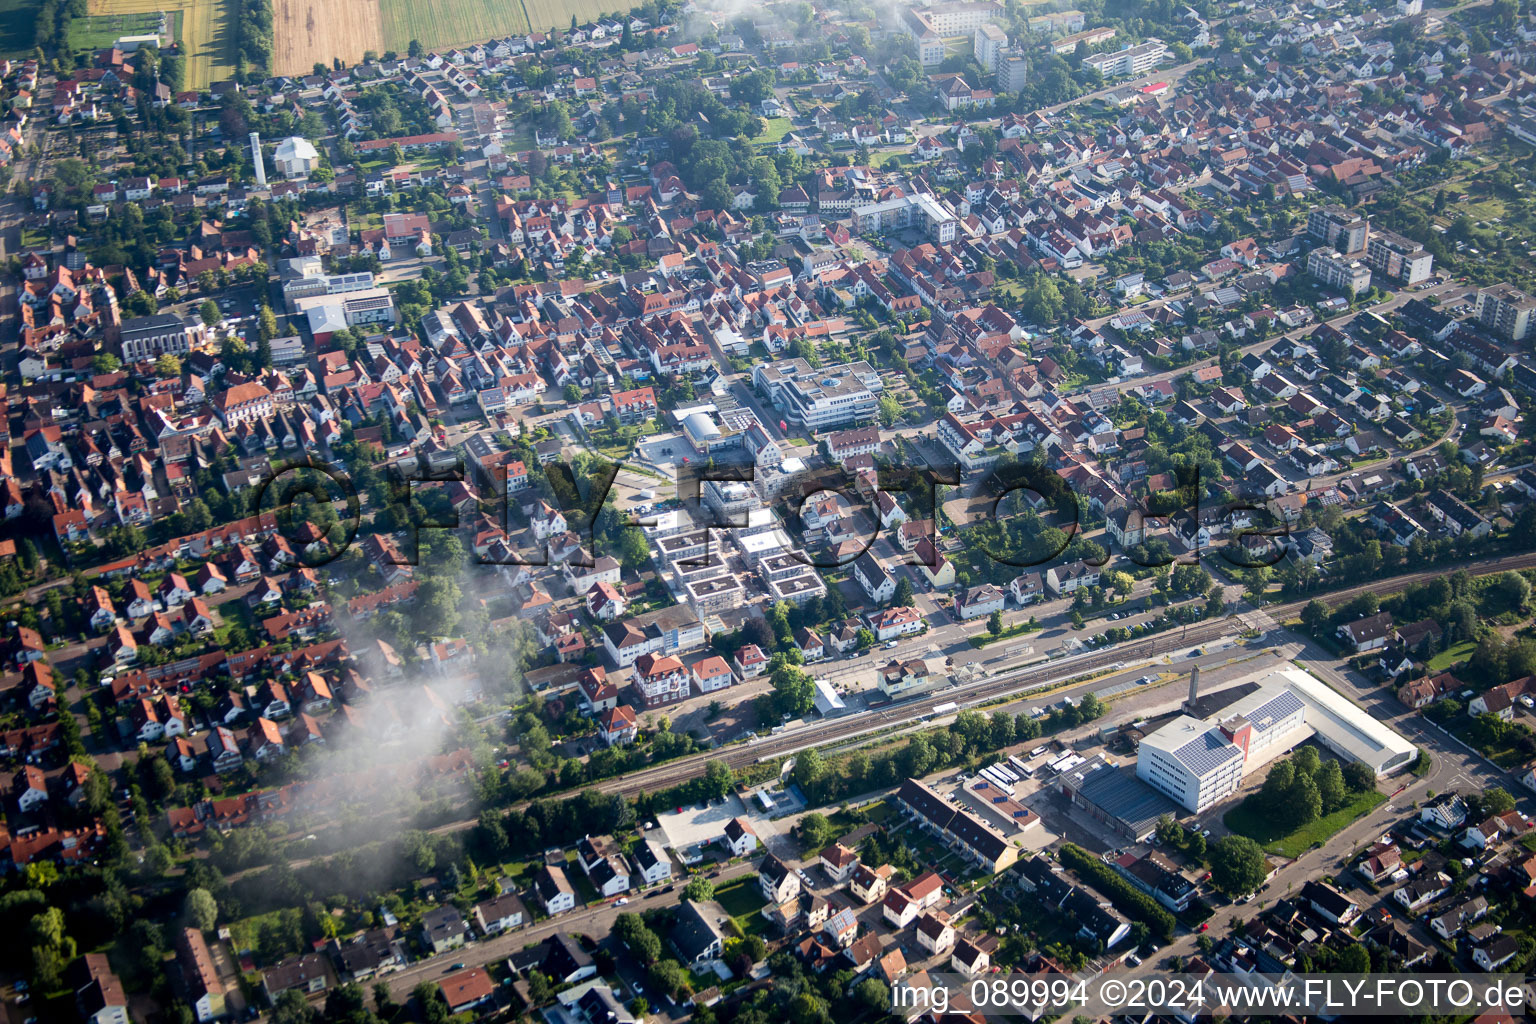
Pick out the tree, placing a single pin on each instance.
(809, 768)
(794, 692)
(1496, 801)
(201, 910)
(209, 311)
(383, 1003)
(718, 779)
(1237, 865)
(1358, 777)
(995, 623)
(890, 410)
(1315, 616)
(1330, 787)
(641, 941)
(670, 977)
(1089, 707)
(1303, 804)
(1354, 958)
(168, 366)
(539, 988)
(815, 832)
(903, 593)
(699, 889)
(267, 324)
(1513, 590)
(874, 995)
(292, 1008)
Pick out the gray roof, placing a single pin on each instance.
(693, 932)
(1120, 794)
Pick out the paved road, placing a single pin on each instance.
(595, 920)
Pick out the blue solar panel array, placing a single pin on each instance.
(1206, 752)
(1278, 708)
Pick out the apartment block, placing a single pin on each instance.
(1505, 309)
(1400, 259)
(1338, 271)
(1341, 228)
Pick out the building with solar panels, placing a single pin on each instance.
(1197, 763)
(1191, 762)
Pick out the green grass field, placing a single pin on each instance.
(18, 18)
(439, 24)
(741, 897)
(778, 127)
(557, 13)
(1250, 818)
(97, 32)
(203, 26)
(1450, 656)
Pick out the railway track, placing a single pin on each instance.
(1013, 683)
(1008, 684)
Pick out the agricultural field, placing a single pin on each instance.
(557, 13)
(207, 33)
(439, 24)
(17, 21)
(307, 32)
(98, 32)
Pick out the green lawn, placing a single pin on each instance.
(98, 32)
(778, 127)
(1009, 633)
(1451, 655)
(1253, 819)
(18, 18)
(743, 900)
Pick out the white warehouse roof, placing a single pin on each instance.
(1343, 726)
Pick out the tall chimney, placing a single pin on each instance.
(261, 167)
(1194, 690)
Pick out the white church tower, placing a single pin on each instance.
(261, 167)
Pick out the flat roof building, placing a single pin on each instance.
(1337, 271)
(817, 398)
(1197, 763)
(1400, 259)
(1131, 61)
(1505, 309)
(918, 210)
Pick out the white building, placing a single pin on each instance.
(1505, 309)
(1131, 61)
(1191, 762)
(295, 157)
(990, 42)
(1401, 259)
(1337, 271)
(919, 210)
(818, 398)
(1198, 763)
(145, 337)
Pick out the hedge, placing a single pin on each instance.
(1129, 900)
